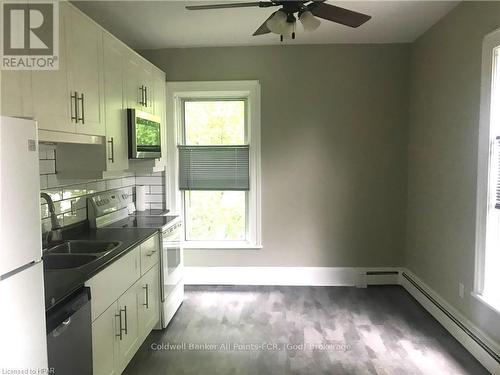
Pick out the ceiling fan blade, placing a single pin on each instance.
(336, 14)
(260, 4)
(263, 29)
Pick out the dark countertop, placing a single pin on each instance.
(61, 283)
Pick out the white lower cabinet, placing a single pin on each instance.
(105, 342)
(119, 331)
(128, 326)
(149, 301)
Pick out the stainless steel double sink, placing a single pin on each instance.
(76, 254)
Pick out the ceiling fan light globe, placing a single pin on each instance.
(277, 23)
(288, 29)
(309, 22)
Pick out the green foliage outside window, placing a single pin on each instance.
(215, 122)
(148, 134)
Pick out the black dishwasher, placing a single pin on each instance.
(69, 335)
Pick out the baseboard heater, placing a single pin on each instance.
(467, 331)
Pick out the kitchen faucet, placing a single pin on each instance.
(55, 231)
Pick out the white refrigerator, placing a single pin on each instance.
(23, 344)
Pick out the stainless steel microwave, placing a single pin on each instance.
(144, 135)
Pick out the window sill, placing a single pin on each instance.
(220, 246)
(493, 305)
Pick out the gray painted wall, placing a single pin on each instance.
(334, 136)
(443, 134)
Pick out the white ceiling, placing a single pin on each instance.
(163, 24)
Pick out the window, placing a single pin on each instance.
(215, 142)
(487, 278)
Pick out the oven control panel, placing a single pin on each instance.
(106, 207)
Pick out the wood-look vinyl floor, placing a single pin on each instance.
(302, 330)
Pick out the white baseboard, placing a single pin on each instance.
(297, 276)
(359, 277)
(452, 324)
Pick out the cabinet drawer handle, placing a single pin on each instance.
(111, 158)
(146, 288)
(74, 106)
(82, 118)
(120, 332)
(150, 254)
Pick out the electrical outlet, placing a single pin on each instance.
(461, 290)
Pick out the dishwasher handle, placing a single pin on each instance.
(61, 328)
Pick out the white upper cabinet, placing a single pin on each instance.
(159, 94)
(16, 98)
(115, 109)
(52, 103)
(71, 99)
(87, 96)
(84, 51)
(139, 84)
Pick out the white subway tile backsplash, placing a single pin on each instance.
(70, 195)
(157, 206)
(113, 184)
(80, 202)
(44, 211)
(128, 181)
(96, 186)
(47, 166)
(149, 180)
(75, 217)
(62, 206)
(157, 189)
(74, 191)
(154, 198)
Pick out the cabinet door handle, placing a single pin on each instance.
(111, 158)
(82, 118)
(145, 96)
(142, 95)
(74, 106)
(120, 332)
(146, 288)
(126, 320)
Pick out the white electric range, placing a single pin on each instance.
(111, 210)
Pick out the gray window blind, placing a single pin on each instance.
(214, 168)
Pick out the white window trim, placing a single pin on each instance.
(176, 93)
(490, 43)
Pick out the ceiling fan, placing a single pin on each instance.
(283, 21)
